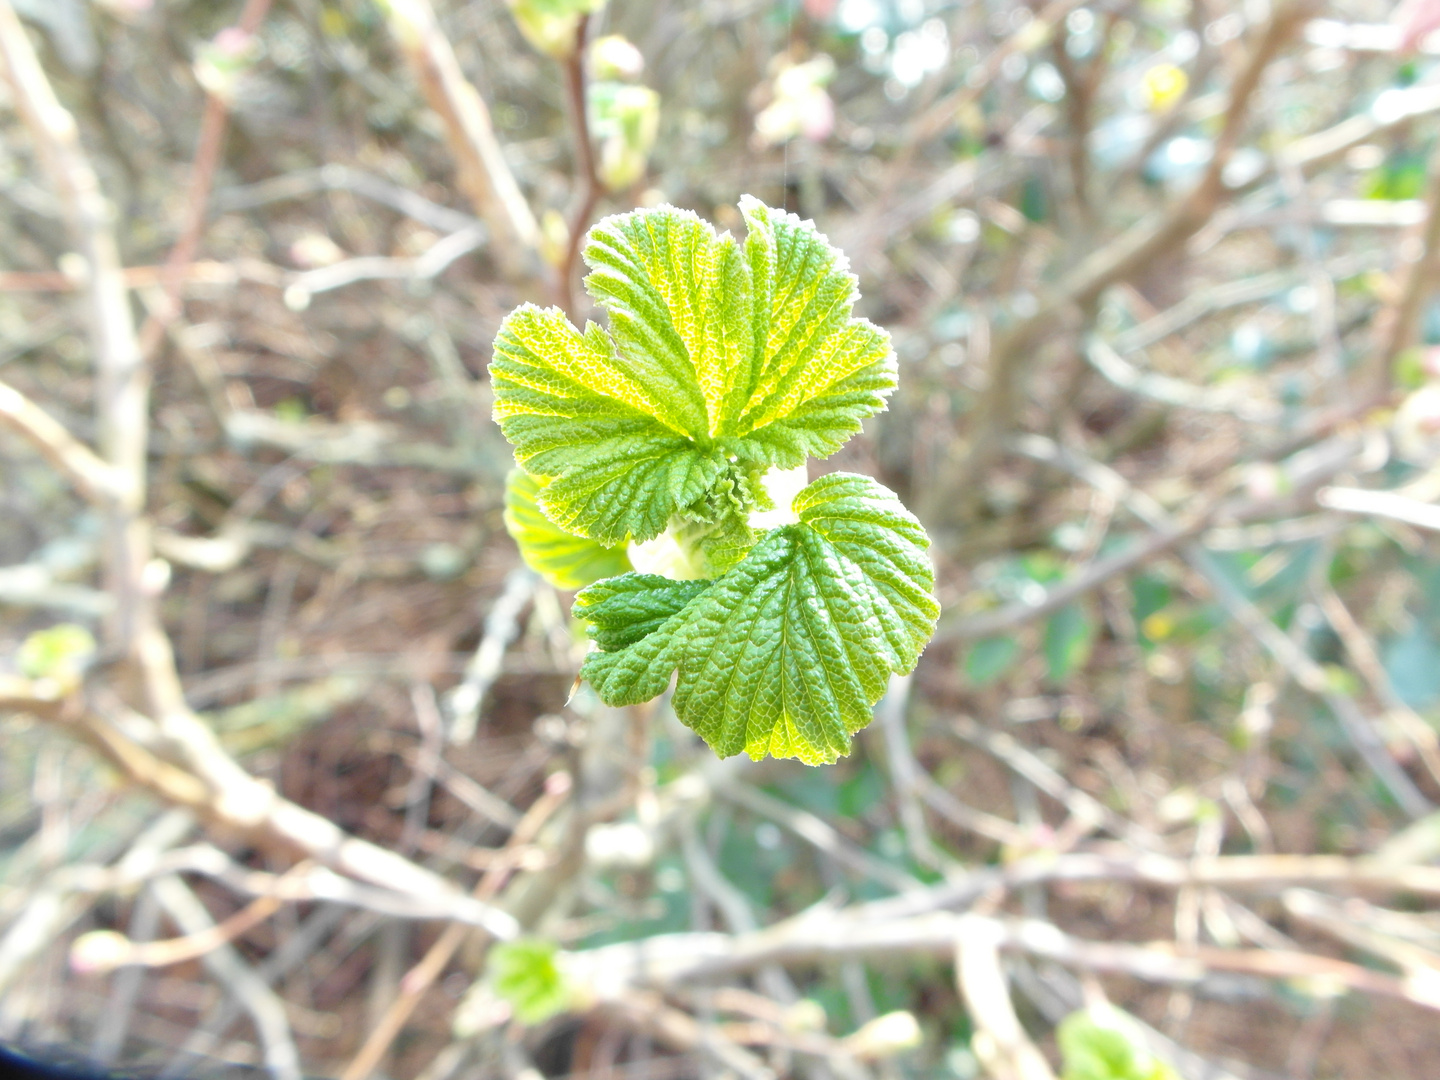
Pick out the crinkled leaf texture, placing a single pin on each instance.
(786, 653)
(564, 560)
(721, 359)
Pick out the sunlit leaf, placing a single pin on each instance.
(1107, 1044)
(59, 652)
(563, 559)
(720, 360)
(787, 652)
(525, 974)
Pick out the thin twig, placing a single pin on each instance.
(1372, 669)
(96, 480)
(208, 781)
(1395, 325)
(56, 904)
(1081, 806)
(210, 145)
(821, 835)
(681, 1031)
(501, 625)
(122, 381)
(225, 964)
(990, 623)
(1122, 258)
(1338, 919)
(1357, 726)
(1382, 504)
(999, 1041)
(296, 950)
(430, 264)
(114, 1026)
(1172, 391)
(419, 978)
(98, 955)
(480, 165)
(1306, 672)
(590, 186)
(135, 277)
(423, 770)
(905, 772)
(300, 885)
(678, 958)
(334, 177)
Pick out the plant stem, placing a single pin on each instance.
(575, 88)
(209, 149)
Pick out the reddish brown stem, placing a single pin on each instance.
(210, 145)
(575, 86)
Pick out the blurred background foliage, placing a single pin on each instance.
(1160, 278)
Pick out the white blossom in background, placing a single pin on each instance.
(1416, 427)
(853, 16)
(624, 117)
(614, 57)
(626, 121)
(919, 53)
(800, 105)
(223, 62)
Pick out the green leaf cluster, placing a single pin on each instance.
(61, 652)
(525, 974)
(550, 25)
(1105, 1044)
(722, 362)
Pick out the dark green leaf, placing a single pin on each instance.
(990, 658)
(787, 652)
(1068, 636)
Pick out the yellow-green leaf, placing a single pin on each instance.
(719, 359)
(564, 560)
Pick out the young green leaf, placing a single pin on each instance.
(720, 359)
(525, 974)
(550, 25)
(787, 652)
(1069, 634)
(61, 652)
(617, 469)
(623, 610)
(989, 658)
(564, 560)
(1107, 1044)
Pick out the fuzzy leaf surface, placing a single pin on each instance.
(787, 652)
(720, 357)
(564, 560)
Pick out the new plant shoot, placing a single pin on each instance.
(662, 472)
